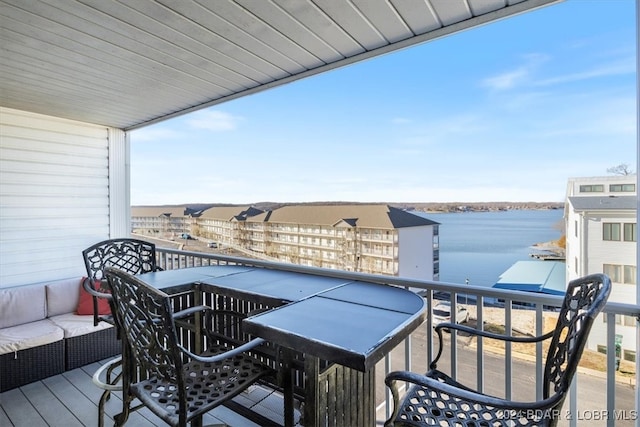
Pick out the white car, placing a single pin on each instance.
(442, 313)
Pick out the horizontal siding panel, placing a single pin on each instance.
(89, 177)
(43, 157)
(19, 218)
(88, 169)
(54, 187)
(37, 122)
(18, 137)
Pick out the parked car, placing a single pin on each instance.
(442, 313)
(213, 245)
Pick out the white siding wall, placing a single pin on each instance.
(592, 252)
(415, 252)
(55, 194)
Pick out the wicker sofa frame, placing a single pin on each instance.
(34, 363)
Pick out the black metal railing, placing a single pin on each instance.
(617, 394)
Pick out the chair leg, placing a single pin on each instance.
(103, 399)
(122, 417)
(110, 372)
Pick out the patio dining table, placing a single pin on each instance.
(351, 324)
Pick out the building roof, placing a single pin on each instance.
(596, 203)
(130, 64)
(156, 211)
(365, 216)
(547, 277)
(228, 213)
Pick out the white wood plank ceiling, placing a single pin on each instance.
(130, 63)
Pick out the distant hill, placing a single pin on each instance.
(420, 206)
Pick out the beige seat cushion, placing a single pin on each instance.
(28, 335)
(74, 325)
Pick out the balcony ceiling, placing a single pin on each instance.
(132, 63)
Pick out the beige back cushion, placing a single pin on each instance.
(62, 296)
(22, 304)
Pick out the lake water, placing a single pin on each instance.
(480, 246)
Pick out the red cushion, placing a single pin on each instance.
(85, 303)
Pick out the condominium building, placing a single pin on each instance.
(225, 225)
(375, 238)
(601, 230)
(163, 222)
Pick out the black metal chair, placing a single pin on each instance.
(176, 384)
(131, 255)
(437, 399)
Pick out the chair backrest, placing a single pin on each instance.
(584, 299)
(130, 255)
(145, 317)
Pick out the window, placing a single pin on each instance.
(629, 232)
(594, 188)
(575, 228)
(620, 273)
(613, 271)
(629, 274)
(611, 231)
(622, 188)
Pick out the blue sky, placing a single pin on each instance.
(505, 112)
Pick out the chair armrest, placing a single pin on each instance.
(87, 284)
(486, 334)
(190, 311)
(227, 354)
(478, 332)
(466, 395)
(218, 357)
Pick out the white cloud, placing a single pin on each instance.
(517, 76)
(213, 120)
(506, 80)
(614, 69)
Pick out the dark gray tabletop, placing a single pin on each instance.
(353, 323)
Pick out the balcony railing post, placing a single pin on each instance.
(611, 367)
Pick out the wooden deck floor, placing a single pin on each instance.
(70, 399)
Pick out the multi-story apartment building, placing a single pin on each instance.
(164, 222)
(377, 239)
(224, 225)
(601, 230)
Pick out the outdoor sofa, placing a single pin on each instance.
(42, 334)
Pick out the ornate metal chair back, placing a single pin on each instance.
(144, 315)
(584, 299)
(130, 255)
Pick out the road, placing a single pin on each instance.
(591, 387)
